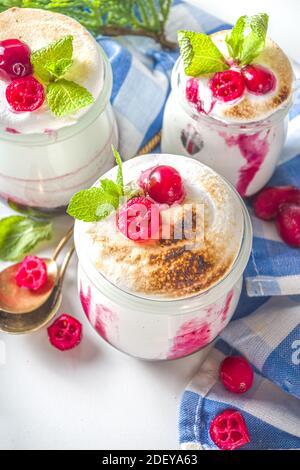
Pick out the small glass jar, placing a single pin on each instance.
(246, 153)
(154, 329)
(42, 171)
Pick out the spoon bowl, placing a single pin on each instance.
(33, 321)
(19, 300)
(16, 300)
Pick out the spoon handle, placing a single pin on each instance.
(62, 243)
(65, 264)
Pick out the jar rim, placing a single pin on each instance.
(161, 306)
(246, 126)
(84, 121)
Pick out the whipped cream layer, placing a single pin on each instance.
(170, 268)
(250, 107)
(38, 29)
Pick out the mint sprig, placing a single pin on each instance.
(246, 41)
(200, 55)
(50, 65)
(248, 38)
(46, 59)
(19, 235)
(97, 203)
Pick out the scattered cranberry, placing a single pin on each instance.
(165, 185)
(236, 374)
(228, 430)
(32, 273)
(267, 202)
(258, 79)
(14, 59)
(139, 219)
(25, 94)
(192, 90)
(288, 224)
(65, 333)
(227, 86)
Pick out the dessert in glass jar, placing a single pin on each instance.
(231, 93)
(160, 270)
(56, 121)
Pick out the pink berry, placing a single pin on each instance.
(258, 79)
(236, 374)
(14, 59)
(288, 224)
(139, 219)
(267, 202)
(165, 185)
(227, 86)
(65, 333)
(32, 273)
(192, 90)
(228, 430)
(25, 94)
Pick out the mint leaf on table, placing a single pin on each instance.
(92, 205)
(199, 53)
(19, 235)
(248, 38)
(48, 58)
(66, 97)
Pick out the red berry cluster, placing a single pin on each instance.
(228, 430)
(24, 93)
(139, 219)
(230, 85)
(282, 204)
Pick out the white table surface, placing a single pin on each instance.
(95, 397)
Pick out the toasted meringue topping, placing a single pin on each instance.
(176, 265)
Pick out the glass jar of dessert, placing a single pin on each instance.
(56, 120)
(160, 274)
(230, 111)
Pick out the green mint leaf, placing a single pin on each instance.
(92, 205)
(200, 55)
(248, 38)
(49, 56)
(19, 235)
(110, 187)
(59, 68)
(120, 180)
(66, 97)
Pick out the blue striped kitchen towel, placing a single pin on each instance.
(270, 340)
(141, 86)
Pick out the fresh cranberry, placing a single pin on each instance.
(144, 176)
(236, 374)
(258, 79)
(267, 202)
(192, 90)
(65, 333)
(165, 185)
(228, 430)
(288, 224)
(227, 86)
(139, 219)
(25, 94)
(14, 59)
(32, 273)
